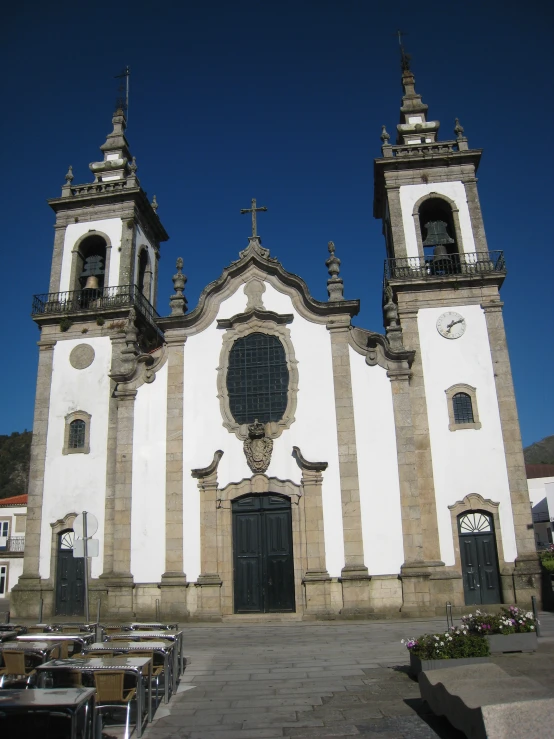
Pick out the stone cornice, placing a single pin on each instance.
(257, 313)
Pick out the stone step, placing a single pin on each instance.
(262, 618)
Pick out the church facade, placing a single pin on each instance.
(261, 454)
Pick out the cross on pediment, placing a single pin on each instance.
(253, 210)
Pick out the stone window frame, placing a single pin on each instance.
(20, 523)
(455, 218)
(77, 416)
(7, 579)
(8, 520)
(468, 390)
(239, 330)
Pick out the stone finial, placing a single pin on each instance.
(154, 204)
(178, 302)
(133, 166)
(69, 176)
(335, 283)
(459, 129)
(385, 137)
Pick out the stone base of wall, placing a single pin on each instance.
(420, 592)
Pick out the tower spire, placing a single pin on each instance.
(118, 162)
(414, 128)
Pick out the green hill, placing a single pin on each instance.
(541, 452)
(15, 455)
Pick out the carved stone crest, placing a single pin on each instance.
(258, 447)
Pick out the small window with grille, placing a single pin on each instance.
(77, 433)
(257, 379)
(461, 400)
(3, 579)
(463, 409)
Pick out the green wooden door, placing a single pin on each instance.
(262, 554)
(70, 578)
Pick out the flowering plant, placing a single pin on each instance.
(453, 644)
(547, 559)
(511, 620)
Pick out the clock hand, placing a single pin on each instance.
(453, 323)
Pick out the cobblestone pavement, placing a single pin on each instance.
(306, 679)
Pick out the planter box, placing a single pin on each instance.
(418, 665)
(499, 643)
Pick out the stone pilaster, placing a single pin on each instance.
(476, 216)
(209, 581)
(126, 263)
(25, 595)
(354, 575)
(527, 574)
(316, 579)
(396, 222)
(57, 258)
(111, 466)
(174, 581)
(422, 443)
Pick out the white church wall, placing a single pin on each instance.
(467, 460)
(76, 482)
(149, 462)
(112, 227)
(410, 194)
(314, 430)
(377, 467)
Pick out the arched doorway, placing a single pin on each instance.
(263, 563)
(70, 577)
(479, 558)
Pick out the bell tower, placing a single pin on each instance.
(442, 296)
(107, 233)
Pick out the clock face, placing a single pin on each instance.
(451, 325)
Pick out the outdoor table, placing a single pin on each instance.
(131, 665)
(176, 636)
(73, 702)
(12, 627)
(82, 638)
(40, 647)
(142, 646)
(77, 627)
(136, 625)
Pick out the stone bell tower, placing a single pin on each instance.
(442, 293)
(98, 324)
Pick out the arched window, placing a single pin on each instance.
(77, 433)
(462, 407)
(144, 281)
(257, 379)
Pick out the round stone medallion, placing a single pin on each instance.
(82, 356)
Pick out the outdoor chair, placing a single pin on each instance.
(157, 669)
(15, 667)
(110, 695)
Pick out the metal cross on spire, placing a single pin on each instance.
(253, 210)
(404, 58)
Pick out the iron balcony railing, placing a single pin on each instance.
(12, 544)
(471, 264)
(91, 301)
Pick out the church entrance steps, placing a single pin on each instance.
(263, 618)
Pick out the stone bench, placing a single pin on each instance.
(485, 702)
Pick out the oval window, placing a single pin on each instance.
(257, 379)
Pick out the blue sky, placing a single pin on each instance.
(282, 101)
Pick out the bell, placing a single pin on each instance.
(437, 234)
(91, 283)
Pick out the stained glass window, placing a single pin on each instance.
(463, 410)
(76, 434)
(257, 379)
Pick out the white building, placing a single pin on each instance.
(13, 516)
(540, 479)
(261, 453)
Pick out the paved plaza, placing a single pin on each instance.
(313, 679)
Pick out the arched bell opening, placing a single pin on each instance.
(144, 277)
(439, 239)
(90, 263)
